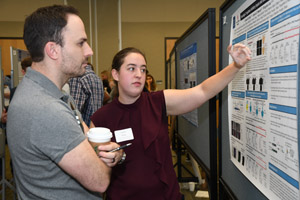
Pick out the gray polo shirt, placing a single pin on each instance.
(41, 129)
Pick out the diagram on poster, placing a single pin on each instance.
(188, 76)
(263, 97)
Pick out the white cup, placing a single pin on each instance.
(191, 186)
(98, 136)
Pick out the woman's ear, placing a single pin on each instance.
(115, 74)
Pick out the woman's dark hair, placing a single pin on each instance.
(118, 60)
(153, 84)
(120, 56)
(45, 25)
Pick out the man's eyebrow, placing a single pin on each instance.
(83, 39)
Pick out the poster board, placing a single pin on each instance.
(1, 84)
(195, 62)
(172, 69)
(257, 120)
(17, 55)
(168, 74)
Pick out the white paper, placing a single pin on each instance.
(262, 100)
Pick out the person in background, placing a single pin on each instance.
(108, 83)
(51, 155)
(150, 83)
(2, 126)
(87, 91)
(105, 80)
(3, 118)
(25, 63)
(109, 87)
(7, 87)
(141, 119)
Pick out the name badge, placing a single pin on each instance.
(124, 135)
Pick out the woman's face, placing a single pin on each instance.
(149, 79)
(131, 76)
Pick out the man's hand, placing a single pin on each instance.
(110, 158)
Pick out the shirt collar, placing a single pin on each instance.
(45, 83)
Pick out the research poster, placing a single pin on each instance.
(263, 97)
(188, 76)
(18, 55)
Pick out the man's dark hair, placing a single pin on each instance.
(45, 25)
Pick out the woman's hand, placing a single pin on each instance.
(240, 54)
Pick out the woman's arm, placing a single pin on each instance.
(186, 100)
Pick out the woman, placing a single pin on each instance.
(150, 83)
(141, 119)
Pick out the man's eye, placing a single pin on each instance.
(131, 69)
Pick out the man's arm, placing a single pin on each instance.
(83, 164)
(77, 93)
(93, 86)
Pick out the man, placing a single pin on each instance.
(51, 156)
(88, 94)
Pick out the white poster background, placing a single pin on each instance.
(263, 98)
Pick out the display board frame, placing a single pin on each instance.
(1, 84)
(201, 139)
(238, 187)
(167, 74)
(233, 183)
(172, 59)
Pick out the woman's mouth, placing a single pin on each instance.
(137, 84)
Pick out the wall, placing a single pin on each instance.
(145, 24)
(5, 48)
(149, 37)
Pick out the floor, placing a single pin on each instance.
(200, 190)
(185, 190)
(8, 192)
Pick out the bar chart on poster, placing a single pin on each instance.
(263, 99)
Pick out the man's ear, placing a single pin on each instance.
(52, 50)
(115, 74)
